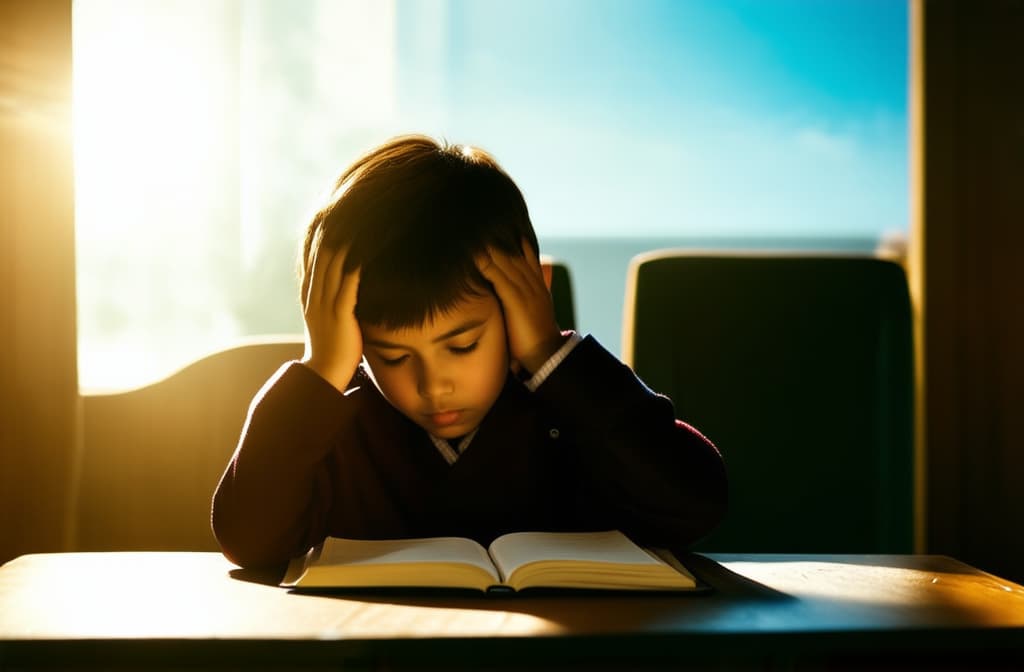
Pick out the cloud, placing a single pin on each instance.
(819, 143)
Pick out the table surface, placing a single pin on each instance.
(198, 607)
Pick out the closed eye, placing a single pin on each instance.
(393, 361)
(464, 350)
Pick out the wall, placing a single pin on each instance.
(968, 270)
(38, 387)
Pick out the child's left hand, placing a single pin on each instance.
(533, 333)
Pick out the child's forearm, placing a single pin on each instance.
(661, 479)
(265, 509)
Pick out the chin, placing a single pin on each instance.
(451, 432)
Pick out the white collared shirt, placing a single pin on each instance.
(451, 454)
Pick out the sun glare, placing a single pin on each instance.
(199, 127)
(148, 140)
(141, 119)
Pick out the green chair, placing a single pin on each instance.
(800, 369)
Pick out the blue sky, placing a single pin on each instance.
(685, 117)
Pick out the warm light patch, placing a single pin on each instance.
(198, 129)
(898, 582)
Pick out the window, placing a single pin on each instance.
(205, 129)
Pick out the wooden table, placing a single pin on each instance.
(173, 609)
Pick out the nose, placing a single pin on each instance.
(434, 382)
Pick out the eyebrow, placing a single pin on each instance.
(451, 333)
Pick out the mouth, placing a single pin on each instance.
(444, 418)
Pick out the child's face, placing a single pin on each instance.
(445, 375)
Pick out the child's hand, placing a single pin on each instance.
(533, 333)
(334, 344)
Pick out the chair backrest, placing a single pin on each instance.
(151, 457)
(800, 369)
(562, 296)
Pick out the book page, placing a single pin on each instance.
(581, 560)
(437, 561)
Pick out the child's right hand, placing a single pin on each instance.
(334, 344)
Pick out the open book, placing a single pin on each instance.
(586, 560)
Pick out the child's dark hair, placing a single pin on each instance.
(414, 214)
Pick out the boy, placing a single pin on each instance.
(437, 395)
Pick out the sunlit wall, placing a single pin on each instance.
(204, 129)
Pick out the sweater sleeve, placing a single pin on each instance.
(656, 477)
(274, 497)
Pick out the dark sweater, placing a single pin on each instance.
(592, 448)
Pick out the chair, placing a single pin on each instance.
(800, 369)
(561, 292)
(151, 457)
